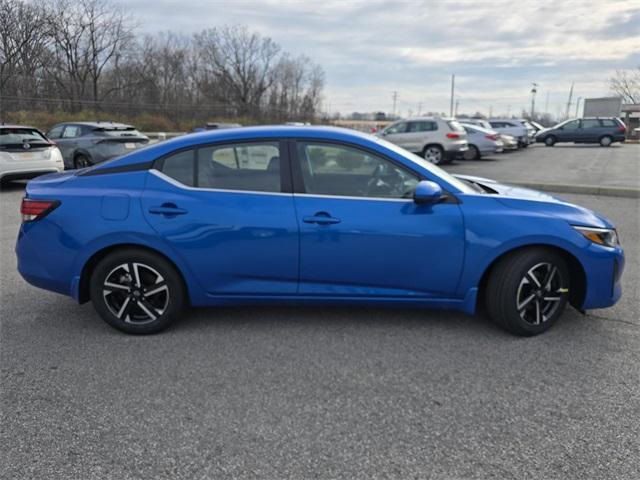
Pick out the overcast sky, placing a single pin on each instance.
(369, 49)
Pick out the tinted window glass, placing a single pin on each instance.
(19, 136)
(497, 124)
(248, 166)
(71, 131)
(574, 125)
(422, 126)
(591, 123)
(344, 171)
(609, 123)
(180, 167)
(397, 128)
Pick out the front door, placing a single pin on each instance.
(225, 211)
(361, 234)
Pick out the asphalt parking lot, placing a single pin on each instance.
(291, 392)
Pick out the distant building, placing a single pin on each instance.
(630, 113)
(602, 107)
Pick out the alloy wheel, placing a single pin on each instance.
(135, 293)
(540, 293)
(433, 155)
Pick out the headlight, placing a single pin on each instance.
(602, 236)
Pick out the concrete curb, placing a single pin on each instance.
(581, 189)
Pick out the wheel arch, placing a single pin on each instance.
(432, 144)
(90, 264)
(577, 274)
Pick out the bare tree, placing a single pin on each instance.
(22, 32)
(241, 63)
(626, 83)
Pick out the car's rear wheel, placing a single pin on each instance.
(472, 153)
(433, 154)
(81, 161)
(528, 291)
(606, 141)
(136, 291)
(550, 141)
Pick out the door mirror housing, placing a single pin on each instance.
(427, 193)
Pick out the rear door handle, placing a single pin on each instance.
(168, 209)
(321, 218)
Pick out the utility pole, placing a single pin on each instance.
(394, 95)
(569, 101)
(577, 106)
(491, 111)
(453, 86)
(455, 111)
(534, 90)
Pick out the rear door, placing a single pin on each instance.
(419, 133)
(361, 234)
(227, 210)
(590, 131)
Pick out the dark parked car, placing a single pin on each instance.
(86, 143)
(604, 131)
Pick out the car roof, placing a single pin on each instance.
(96, 124)
(10, 125)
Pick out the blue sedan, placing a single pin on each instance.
(308, 215)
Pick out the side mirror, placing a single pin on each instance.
(427, 193)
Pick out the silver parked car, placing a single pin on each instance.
(86, 143)
(481, 142)
(438, 140)
(512, 126)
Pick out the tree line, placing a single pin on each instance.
(75, 56)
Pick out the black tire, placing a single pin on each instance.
(550, 141)
(434, 154)
(472, 154)
(81, 161)
(127, 307)
(606, 141)
(515, 301)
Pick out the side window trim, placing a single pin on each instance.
(298, 179)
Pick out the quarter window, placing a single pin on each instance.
(180, 167)
(609, 123)
(339, 170)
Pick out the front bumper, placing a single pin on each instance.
(603, 271)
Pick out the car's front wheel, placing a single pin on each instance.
(136, 291)
(433, 154)
(550, 141)
(527, 291)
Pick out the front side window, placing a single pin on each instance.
(591, 123)
(573, 125)
(55, 132)
(242, 166)
(338, 170)
(498, 124)
(397, 128)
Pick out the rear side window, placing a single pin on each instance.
(248, 167)
(606, 122)
(243, 166)
(71, 131)
(422, 126)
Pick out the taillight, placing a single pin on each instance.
(491, 137)
(36, 209)
(622, 129)
(453, 135)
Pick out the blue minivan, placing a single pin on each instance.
(308, 215)
(604, 131)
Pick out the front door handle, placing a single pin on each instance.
(168, 209)
(321, 218)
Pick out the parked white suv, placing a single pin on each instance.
(25, 152)
(438, 140)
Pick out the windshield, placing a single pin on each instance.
(437, 171)
(18, 136)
